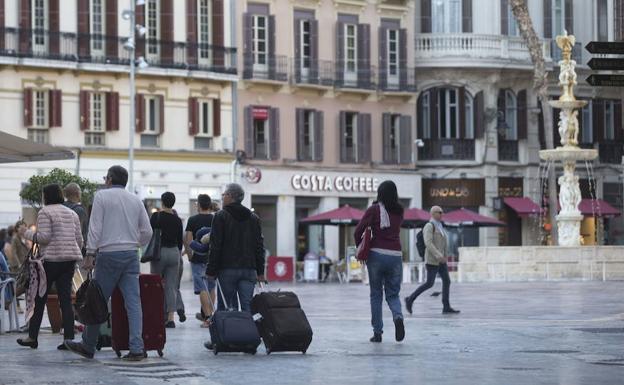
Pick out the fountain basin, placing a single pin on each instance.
(568, 104)
(569, 153)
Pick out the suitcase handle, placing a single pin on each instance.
(214, 307)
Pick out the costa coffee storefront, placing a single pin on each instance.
(452, 194)
(283, 197)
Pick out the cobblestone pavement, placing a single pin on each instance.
(508, 333)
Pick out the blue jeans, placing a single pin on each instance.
(237, 281)
(200, 281)
(385, 273)
(119, 269)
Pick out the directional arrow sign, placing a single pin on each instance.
(606, 80)
(605, 47)
(606, 64)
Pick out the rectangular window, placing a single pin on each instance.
(587, 133)
(558, 17)
(449, 113)
(205, 118)
(512, 24)
(39, 136)
(152, 115)
(307, 131)
(261, 138)
(203, 26)
(350, 49)
(260, 41)
(511, 122)
(41, 108)
(425, 118)
(98, 112)
(395, 138)
(97, 27)
(603, 20)
(350, 138)
(446, 15)
(40, 25)
(393, 56)
(609, 119)
(305, 45)
(152, 11)
(469, 113)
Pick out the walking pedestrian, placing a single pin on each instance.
(19, 246)
(119, 225)
(171, 243)
(201, 285)
(385, 260)
(436, 258)
(59, 237)
(73, 197)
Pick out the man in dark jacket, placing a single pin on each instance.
(73, 195)
(236, 255)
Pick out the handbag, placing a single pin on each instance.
(152, 251)
(22, 281)
(91, 307)
(365, 245)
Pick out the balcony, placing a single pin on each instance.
(484, 50)
(447, 149)
(74, 49)
(611, 152)
(403, 80)
(361, 81)
(508, 150)
(313, 73)
(268, 69)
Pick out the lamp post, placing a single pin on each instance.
(130, 45)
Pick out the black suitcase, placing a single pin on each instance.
(233, 331)
(283, 325)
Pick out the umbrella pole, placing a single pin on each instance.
(347, 259)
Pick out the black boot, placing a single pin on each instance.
(376, 337)
(33, 344)
(399, 329)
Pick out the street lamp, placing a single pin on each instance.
(130, 45)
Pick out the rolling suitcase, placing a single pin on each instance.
(282, 324)
(153, 305)
(232, 330)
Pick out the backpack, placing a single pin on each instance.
(420, 242)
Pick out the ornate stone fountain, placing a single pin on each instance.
(569, 218)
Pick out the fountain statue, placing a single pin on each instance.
(569, 218)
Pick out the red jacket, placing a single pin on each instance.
(388, 238)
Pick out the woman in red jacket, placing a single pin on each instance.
(385, 261)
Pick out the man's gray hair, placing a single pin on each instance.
(72, 190)
(235, 191)
(436, 209)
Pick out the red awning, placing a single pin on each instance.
(467, 218)
(345, 215)
(523, 206)
(598, 207)
(415, 217)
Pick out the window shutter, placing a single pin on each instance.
(462, 112)
(569, 16)
(364, 138)
(618, 20)
(112, 44)
(193, 117)
(547, 19)
(299, 123)
(500, 110)
(112, 111)
(274, 139)
(247, 46)
(249, 131)
(140, 41)
(467, 16)
(598, 111)
(580, 122)
(406, 140)
(383, 55)
(161, 111)
(617, 121)
(25, 25)
(318, 136)
(403, 58)
(218, 33)
(521, 114)
(2, 24)
(340, 52)
(139, 103)
(314, 54)
(28, 100)
(85, 106)
(343, 140)
(555, 120)
(83, 28)
(386, 121)
(166, 31)
(272, 49)
(540, 126)
(54, 20)
(56, 108)
(433, 112)
(504, 5)
(479, 123)
(420, 130)
(364, 66)
(425, 16)
(216, 117)
(297, 35)
(191, 31)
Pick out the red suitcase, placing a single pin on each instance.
(153, 304)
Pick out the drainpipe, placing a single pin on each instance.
(234, 86)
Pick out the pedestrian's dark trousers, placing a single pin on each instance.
(432, 271)
(60, 273)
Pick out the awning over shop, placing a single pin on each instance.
(14, 149)
(523, 206)
(598, 207)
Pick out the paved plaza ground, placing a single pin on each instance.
(508, 333)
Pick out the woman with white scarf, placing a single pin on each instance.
(385, 260)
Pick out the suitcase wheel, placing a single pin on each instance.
(268, 351)
(160, 353)
(303, 351)
(216, 352)
(118, 353)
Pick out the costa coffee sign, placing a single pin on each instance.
(314, 183)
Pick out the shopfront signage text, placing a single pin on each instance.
(314, 183)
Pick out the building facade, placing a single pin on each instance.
(64, 80)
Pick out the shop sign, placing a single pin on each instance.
(260, 113)
(253, 175)
(314, 183)
(453, 192)
(510, 187)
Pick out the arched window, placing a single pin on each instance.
(446, 113)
